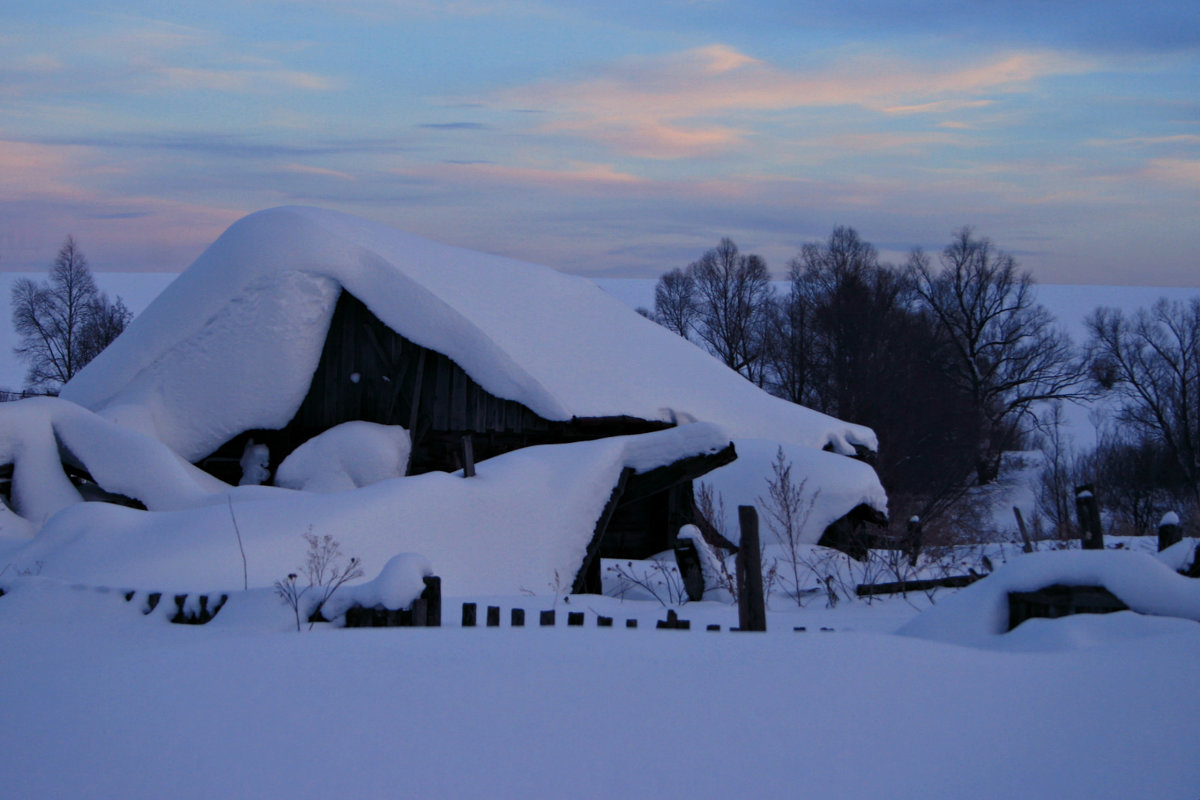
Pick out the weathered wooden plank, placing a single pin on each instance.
(418, 380)
(1061, 600)
(458, 397)
(899, 587)
(752, 613)
(587, 579)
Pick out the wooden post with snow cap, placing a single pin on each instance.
(1087, 508)
(752, 612)
(1169, 531)
(912, 542)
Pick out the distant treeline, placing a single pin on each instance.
(951, 359)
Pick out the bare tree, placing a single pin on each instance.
(790, 369)
(853, 305)
(65, 323)
(1152, 363)
(1008, 355)
(675, 302)
(733, 293)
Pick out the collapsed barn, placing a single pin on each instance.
(298, 321)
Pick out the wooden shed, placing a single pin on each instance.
(369, 372)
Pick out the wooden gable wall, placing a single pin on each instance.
(369, 372)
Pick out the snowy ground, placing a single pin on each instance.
(100, 701)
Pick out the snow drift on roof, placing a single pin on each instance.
(232, 344)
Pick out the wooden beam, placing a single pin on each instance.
(587, 579)
(660, 479)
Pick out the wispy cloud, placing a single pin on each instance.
(1175, 139)
(322, 172)
(134, 54)
(455, 126)
(938, 107)
(578, 175)
(1178, 171)
(213, 143)
(685, 104)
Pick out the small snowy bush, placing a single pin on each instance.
(325, 573)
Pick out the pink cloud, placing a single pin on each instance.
(674, 106)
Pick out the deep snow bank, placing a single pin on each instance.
(521, 525)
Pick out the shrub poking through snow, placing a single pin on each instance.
(290, 593)
(787, 514)
(325, 573)
(657, 578)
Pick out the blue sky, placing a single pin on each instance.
(611, 138)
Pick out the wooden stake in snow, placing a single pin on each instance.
(752, 613)
(1027, 545)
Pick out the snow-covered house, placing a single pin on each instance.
(335, 353)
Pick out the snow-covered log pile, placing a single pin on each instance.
(978, 614)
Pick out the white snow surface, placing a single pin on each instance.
(978, 614)
(494, 533)
(347, 456)
(232, 344)
(101, 701)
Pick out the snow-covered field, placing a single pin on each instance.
(100, 701)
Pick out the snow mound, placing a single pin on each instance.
(522, 524)
(347, 456)
(832, 486)
(232, 344)
(978, 614)
(36, 435)
(401, 581)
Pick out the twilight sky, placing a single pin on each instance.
(611, 137)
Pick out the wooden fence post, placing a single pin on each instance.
(518, 618)
(1087, 508)
(1169, 531)
(752, 613)
(468, 456)
(913, 541)
(468, 618)
(433, 601)
(493, 616)
(1026, 543)
(547, 617)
